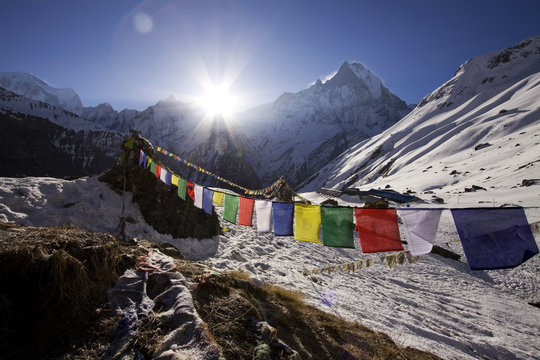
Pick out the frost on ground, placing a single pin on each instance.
(435, 304)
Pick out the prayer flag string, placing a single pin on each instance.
(209, 173)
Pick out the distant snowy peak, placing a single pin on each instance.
(13, 102)
(33, 88)
(499, 68)
(357, 75)
(352, 85)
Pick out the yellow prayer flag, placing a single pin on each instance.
(218, 198)
(174, 179)
(307, 219)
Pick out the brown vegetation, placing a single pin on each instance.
(231, 307)
(53, 290)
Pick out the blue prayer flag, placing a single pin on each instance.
(283, 218)
(208, 195)
(495, 238)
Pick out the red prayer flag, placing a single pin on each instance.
(158, 171)
(377, 230)
(245, 211)
(190, 189)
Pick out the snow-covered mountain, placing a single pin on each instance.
(104, 115)
(482, 128)
(33, 88)
(299, 133)
(60, 116)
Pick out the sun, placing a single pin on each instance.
(218, 101)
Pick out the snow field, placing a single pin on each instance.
(436, 304)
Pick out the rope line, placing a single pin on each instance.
(207, 172)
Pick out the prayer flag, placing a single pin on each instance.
(141, 157)
(401, 258)
(245, 212)
(495, 238)
(218, 198)
(391, 260)
(158, 170)
(146, 159)
(307, 222)
(129, 143)
(174, 179)
(190, 190)
(369, 262)
(231, 208)
(207, 201)
(283, 214)
(337, 226)
(182, 188)
(198, 194)
(163, 175)
(420, 228)
(263, 209)
(153, 167)
(377, 230)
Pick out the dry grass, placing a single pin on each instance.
(278, 292)
(53, 291)
(231, 306)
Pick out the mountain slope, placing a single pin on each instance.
(33, 146)
(486, 118)
(299, 133)
(39, 139)
(33, 88)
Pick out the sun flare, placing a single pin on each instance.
(219, 102)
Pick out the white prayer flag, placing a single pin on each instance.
(420, 228)
(163, 175)
(263, 209)
(198, 202)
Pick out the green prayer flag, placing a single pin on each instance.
(153, 167)
(337, 226)
(230, 209)
(182, 186)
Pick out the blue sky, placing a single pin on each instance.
(133, 53)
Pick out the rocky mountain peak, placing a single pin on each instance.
(358, 77)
